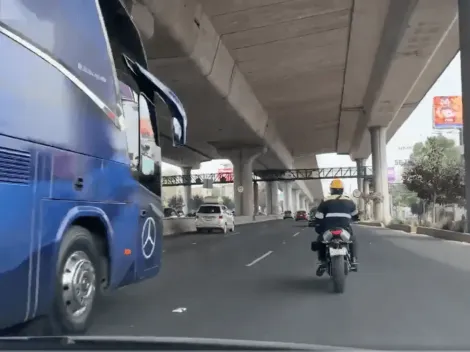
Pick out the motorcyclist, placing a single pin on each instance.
(337, 210)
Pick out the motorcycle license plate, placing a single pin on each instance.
(334, 252)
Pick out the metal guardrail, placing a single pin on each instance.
(271, 175)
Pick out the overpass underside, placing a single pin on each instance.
(298, 77)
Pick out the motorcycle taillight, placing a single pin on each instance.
(336, 232)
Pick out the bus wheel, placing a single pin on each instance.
(77, 282)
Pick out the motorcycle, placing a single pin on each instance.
(338, 258)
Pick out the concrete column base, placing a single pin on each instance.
(269, 197)
(379, 165)
(187, 189)
(275, 198)
(360, 183)
(287, 190)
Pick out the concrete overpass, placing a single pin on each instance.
(273, 83)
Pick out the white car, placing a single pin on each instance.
(214, 217)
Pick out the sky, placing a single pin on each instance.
(399, 147)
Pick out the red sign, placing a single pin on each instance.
(226, 172)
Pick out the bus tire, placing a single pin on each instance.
(77, 285)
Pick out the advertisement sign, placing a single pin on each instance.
(391, 174)
(447, 112)
(226, 172)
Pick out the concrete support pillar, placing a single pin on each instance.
(360, 182)
(255, 198)
(379, 165)
(269, 197)
(186, 189)
(275, 197)
(242, 160)
(272, 199)
(288, 196)
(295, 199)
(293, 203)
(367, 210)
(464, 30)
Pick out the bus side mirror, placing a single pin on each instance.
(146, 80)
(179, 138)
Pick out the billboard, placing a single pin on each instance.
(226, 172)
(447, 112)
(391, 174)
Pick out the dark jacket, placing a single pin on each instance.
(335, 211)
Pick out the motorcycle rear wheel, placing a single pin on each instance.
(338, 274)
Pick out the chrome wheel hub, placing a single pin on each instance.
(78, 285)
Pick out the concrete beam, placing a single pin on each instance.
(368, 18)
(193, 53)
(396, 22)
(314, 186)
(428, 46)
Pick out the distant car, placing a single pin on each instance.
(288, 214)
(311, 217)
(214, 217)
(301, 215)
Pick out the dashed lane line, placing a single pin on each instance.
(260, 258)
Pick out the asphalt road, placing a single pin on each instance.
(410, 291)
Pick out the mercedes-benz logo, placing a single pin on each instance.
(149, 237)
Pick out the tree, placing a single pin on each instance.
(450, 150)
(176, 202)
(228, 202)
(401, 196)
(419, 209)
(435, 172)
(195, 202)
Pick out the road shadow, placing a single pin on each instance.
(301, 284)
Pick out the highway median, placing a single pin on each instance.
(174, 226)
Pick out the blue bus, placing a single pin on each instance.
(80, 185)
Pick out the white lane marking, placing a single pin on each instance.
(194, 242)
(260, 258)
(232, 234)
(296, 234)
(179, 310)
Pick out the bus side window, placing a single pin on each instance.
(131, 115)
(150, 162)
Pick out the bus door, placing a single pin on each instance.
(149, 242)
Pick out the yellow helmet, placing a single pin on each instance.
(336, 184)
